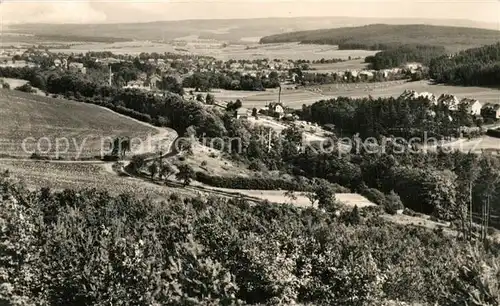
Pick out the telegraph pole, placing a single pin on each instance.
(110, 81)
(279, 95)
(269, 143)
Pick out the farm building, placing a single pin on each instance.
(277, 110)
(412, 94)
(473, 106)
(77, 67)
(449, 101)
(491, 111)
(242, 113)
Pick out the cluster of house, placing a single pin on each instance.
(71, 66)
(145, 82)
(472, 106)
(7, 58)
(273, 109)
(263, 65)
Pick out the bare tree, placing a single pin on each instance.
(291, 195)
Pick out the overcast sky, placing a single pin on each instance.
(95, 11)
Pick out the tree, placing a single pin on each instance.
(25, 88)
(209, 99)
(393, 203)
(290, 194)
(137, 163)
(354, 218)
(238, 104)
(233, 106)
(485, 189)
(326, 197)
(166, 171)
(171, 84)
(153, 170)
(254, 113)
(185, 174)
(311, 196)
(121, 145)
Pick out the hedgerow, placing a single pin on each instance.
(260, 183)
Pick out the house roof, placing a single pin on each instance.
(469, 102)
(493, 107)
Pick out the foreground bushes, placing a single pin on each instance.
(88, 248)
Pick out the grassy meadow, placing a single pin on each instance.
(84, 125)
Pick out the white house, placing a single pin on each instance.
(242, 113)
(473, 106)
(429, 96)
(277, 109)
(235, 66)
(78, 67)
(367, 75)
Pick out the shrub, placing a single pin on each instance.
(374, 195)
(493, 133)
(393, 203)
(257, 165)
(25, 88)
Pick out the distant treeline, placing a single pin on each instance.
(384, 36)
(472, 67)
(77, 38)
(395, 57)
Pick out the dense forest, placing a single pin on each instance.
(472, 67)
(387, 116)
(86, 247)
(400, 55)
(383, 37)
(437, 177)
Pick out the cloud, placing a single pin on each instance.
(100, 11)
(49, 12)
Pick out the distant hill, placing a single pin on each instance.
(219, 29)
(385, 36)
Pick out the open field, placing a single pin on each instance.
(13, 83)
(65, 175)
(222, 51)
(294, 98)
(277, 196)
(84, 125)
(222, 95)
(358, 64)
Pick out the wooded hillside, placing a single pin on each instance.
(383, 36)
